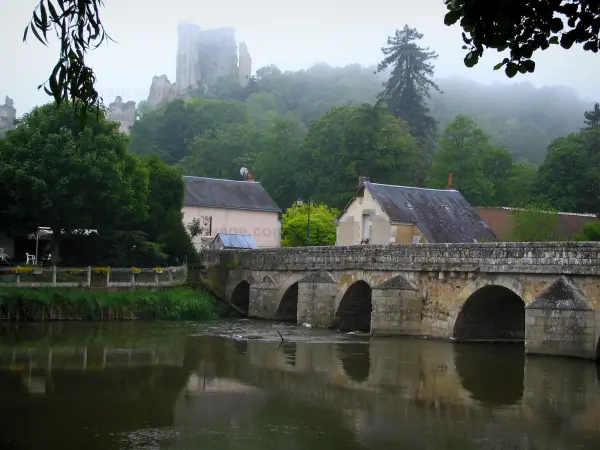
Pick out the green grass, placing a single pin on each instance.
(167, 304)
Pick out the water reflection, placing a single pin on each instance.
(356, 360)
(136, 386)
(493, 374)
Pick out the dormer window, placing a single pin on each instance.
(410, 206)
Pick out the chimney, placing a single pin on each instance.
(449, 186)
(250, 177)
(363, 180)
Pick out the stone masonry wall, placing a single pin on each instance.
(568, 258)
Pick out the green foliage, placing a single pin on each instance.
(534, 223)
(166, 130)
(76, 178)
(353, 141)
(480, 169)
(322, 226)
(410, 83)
(82, 177)
(78, 26)
(590, 232)
(523, 27)
(569, 178)
(166, 304)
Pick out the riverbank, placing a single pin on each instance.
(181, 303)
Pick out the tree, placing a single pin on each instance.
(279, 161)
(534, 222)
(168, 130)
(353, 141)
(480, 168)
(163, 224)
(295, 225)
(590, 232)
(57, 173)
(410, 81)
(78, 26)
(569, 178)
(523, 27)
(592, 118)
(220, 155)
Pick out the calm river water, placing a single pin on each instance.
(234, 384)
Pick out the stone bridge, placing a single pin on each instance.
(545, 294)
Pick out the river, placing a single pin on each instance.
(237, 384)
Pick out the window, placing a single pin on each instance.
(366, 227)
(410, 206)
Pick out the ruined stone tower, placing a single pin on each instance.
(124, 113)
(203, 56)
(8, 114)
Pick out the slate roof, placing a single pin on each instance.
(230, 194)
(442, 216)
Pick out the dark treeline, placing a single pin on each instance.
(314, 132)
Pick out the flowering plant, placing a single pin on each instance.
(135, 270)
(103, 270)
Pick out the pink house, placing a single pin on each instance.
(230, 206)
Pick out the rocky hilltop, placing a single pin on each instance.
(203, 56)
(8, 114)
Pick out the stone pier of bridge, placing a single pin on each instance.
(543, 294)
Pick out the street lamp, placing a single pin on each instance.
(300, 203)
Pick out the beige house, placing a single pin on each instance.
(383, 214)
(233, 207)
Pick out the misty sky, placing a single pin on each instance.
(291, 35)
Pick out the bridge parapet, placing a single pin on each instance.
(567, 258)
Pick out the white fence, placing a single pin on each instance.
(53, 276)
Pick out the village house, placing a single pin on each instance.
(501, 221)
(383, 214)
(231, 207)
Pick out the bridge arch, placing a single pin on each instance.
(240, 296)
(491, 312)
(287, 310)
(353, 312)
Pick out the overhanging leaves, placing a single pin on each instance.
(77, 25)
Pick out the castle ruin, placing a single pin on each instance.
(204, 56)
(8, 115)
(124, 113)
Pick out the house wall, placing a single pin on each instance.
(403, 233)
(264, 226)
(350, 225)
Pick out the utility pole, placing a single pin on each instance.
(308, 226)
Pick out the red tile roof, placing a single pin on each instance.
(498, 219)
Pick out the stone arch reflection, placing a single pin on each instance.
(289, 352)
(288, 306)
(240, 296)
(491, 313)
(354, 311)
(493, 374)
(356, 360)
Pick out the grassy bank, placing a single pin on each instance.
(167, 304)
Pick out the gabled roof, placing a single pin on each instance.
(230, 194)
(442, 215)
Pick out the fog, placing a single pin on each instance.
(291, 35)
